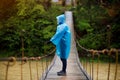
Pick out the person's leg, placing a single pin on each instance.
(64, 64)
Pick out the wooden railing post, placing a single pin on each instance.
(116, 65)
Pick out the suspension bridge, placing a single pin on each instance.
(38, 68)
(75, 70)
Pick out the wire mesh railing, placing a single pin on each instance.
(100, 64)
(25, 68)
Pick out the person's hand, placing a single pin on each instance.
(48, 42)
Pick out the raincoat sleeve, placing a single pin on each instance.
(58, 35)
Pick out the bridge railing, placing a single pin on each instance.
(25, 68)
(100, 64)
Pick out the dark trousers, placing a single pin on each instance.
(64, 64)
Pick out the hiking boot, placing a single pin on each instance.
(61, 73)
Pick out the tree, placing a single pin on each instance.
(7, 9)
(112, 7)
(91, 22)
(46, 3)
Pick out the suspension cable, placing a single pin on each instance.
(104, 51)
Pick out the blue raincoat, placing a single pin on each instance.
(62, 38)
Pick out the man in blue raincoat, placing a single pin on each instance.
(62, 41)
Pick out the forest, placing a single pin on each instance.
(27, 25)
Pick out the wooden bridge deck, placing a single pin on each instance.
(74, 72)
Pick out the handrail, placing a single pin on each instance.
(44, 74)
(11, 61)
(97, 51)
(93, 53)
(26, 58)
(48, 69)
(82, 47)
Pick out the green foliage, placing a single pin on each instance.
(115, 38)
(91, 22)
(93, 41)
(84, 25)
(28, 7)
(32, 24)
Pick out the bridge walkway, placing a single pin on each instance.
(74, 70)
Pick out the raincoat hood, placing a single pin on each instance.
(60, 19)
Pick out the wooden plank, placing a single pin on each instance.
(73, 70)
